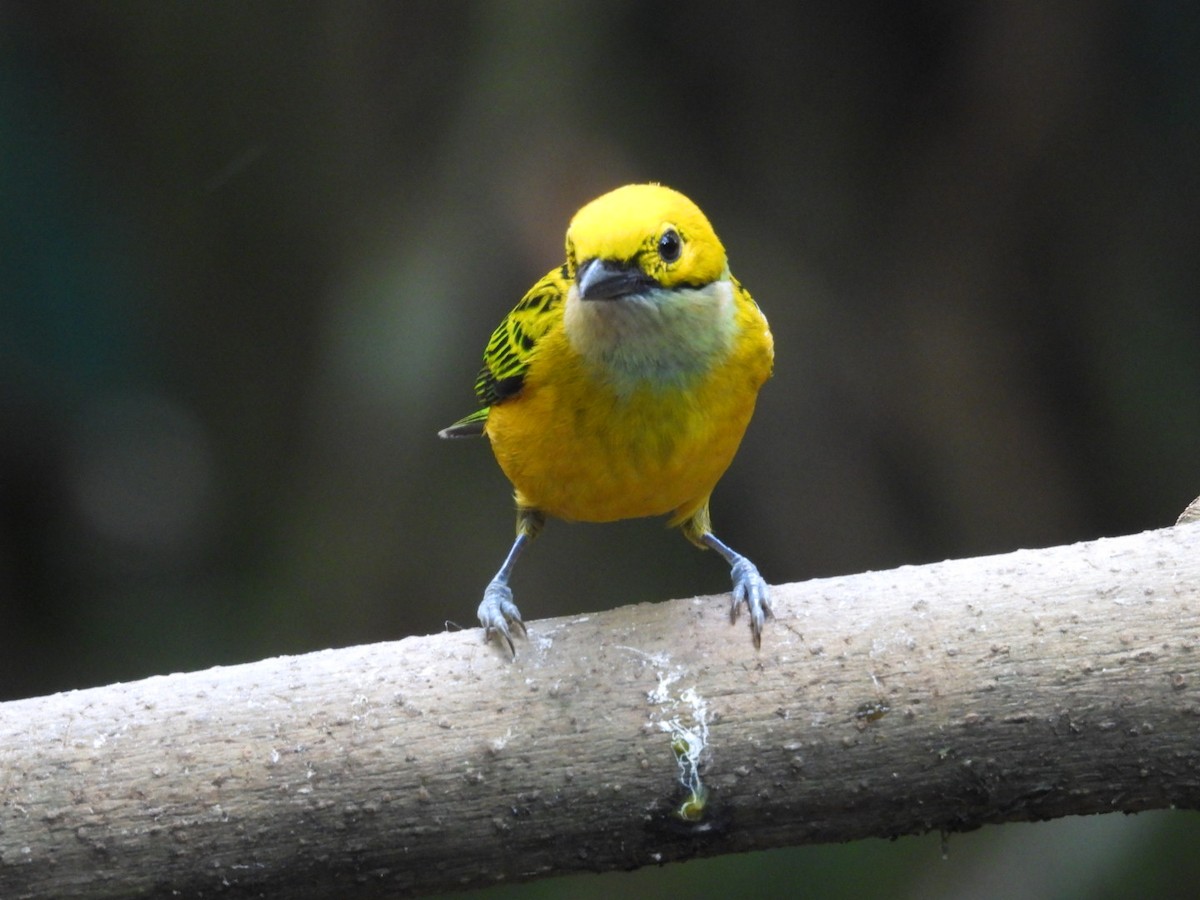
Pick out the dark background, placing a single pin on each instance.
(250, 254)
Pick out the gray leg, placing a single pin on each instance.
(748, 586)
(497, 611)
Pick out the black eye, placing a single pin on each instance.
(670, 245)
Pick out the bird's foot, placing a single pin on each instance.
(497, 612)
(750, 588)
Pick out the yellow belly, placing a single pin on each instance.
(576, 450)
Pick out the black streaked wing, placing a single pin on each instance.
(512, 344)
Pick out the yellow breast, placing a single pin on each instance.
(578, 446)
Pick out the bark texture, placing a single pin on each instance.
(1025, 686)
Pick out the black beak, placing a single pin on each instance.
(603, 279)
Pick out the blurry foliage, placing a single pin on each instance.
(250, 254)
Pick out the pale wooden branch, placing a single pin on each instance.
(1025, 686)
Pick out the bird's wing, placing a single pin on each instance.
(512, 344)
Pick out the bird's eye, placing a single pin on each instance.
(670, 245)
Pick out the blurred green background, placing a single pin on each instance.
(250, 254)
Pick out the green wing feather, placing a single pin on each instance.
(510, 348)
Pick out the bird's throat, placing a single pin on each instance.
(663, 339)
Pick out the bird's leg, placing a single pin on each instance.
(749, 587)
(497, 610)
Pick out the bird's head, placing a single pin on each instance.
(651, 300)
(640, 238)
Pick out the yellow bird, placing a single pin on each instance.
(622, 383)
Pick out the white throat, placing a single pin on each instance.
(660, 339)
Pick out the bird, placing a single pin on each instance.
(621, 385)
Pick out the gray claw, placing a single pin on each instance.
(750, 588)
(497, 612)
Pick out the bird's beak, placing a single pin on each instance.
(605, 279)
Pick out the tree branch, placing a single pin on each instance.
(1025, 686)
